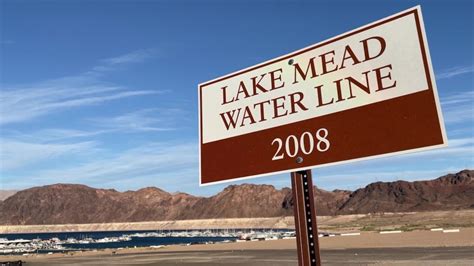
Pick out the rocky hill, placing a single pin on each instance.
(450, 192)
(68, 203)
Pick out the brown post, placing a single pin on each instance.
(307, 241)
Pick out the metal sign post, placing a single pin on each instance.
(307, 241)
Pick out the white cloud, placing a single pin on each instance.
(116, 63)
(142, 120)
(18, 154)
(145, 120)
(458, 107)
(459, 114)
(20, 105)
(455, 71)
(52, 135)
(159, 164)
(458, 98)
(467, 130)
(137, 56)
(23, 103)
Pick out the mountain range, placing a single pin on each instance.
(75, 204)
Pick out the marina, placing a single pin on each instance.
(77, 241)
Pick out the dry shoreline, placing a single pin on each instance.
(341, 223)
(367, 240)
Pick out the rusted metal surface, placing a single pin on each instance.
(305, 219)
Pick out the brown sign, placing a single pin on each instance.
(367, 93)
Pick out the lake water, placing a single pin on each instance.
(142, 241)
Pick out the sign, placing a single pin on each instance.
(366, 93)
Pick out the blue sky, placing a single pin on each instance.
(104, 93)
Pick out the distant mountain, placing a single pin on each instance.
(245, 200)
(450, 192)
(6, 193)
(67, 203)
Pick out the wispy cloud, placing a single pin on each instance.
(458, 108)
(461, 147)
(457, 98)
(141, 120)
(18, 154)
(144, 120)
(457, 115)
(167, 165)
(455, 71)
(54, 135)
(132, 57)
(115, 63)
(23, 103)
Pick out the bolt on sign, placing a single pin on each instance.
(367, 93)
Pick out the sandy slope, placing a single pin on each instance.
(340, 223)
